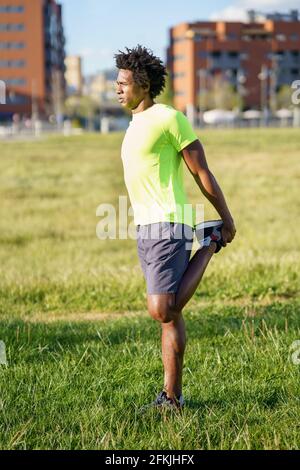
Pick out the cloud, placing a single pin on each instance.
(269, 4)
(231, 13)
(93, 53)
(86, 52)
(238, 10)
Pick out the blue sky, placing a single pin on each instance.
(96, 29)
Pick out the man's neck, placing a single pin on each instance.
(143, 105)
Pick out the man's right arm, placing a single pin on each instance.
(195, 160)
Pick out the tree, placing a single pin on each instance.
(284, 97)
(82, 107)
(221, 95)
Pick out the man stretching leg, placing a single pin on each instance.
(156, 142)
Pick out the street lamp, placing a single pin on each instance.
(240, 81)
(263, 77)
(202, 92)
(274, 81)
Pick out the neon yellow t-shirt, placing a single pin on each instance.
(153, 166)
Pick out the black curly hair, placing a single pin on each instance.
(145, 67)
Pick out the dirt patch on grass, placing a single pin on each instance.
(80, 317)
(246, 303)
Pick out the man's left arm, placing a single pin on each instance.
(195, 160)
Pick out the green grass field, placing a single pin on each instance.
(83, 354)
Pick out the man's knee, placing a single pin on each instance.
(162, 312)
(163, 315)
(162, 307)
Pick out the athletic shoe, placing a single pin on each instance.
(208, 232)
(162, 401)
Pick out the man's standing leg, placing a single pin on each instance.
(167, 309)
(173, 347)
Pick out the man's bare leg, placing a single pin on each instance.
(193, 275)
(173, 332)
(173, 346)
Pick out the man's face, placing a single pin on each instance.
(129, 93)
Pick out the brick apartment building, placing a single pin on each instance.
(73, 75)
(31, 57)
(257, 57)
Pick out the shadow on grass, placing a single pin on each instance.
(267, 398)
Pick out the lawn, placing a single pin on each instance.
(82, 353)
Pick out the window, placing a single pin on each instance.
(203, 54)
(281, 37)
(15, 81)
(232, 36)
(216, 54)
(295, 72)
(178, 56)
(15, 98)
(11, 8)
(12, 27)
(12, 45)
(12, 63)
(294, 37)
(178, 74)
(244, 56)
(178, 39)
(198, 37)
(233, 54)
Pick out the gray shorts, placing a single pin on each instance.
(164, 250)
